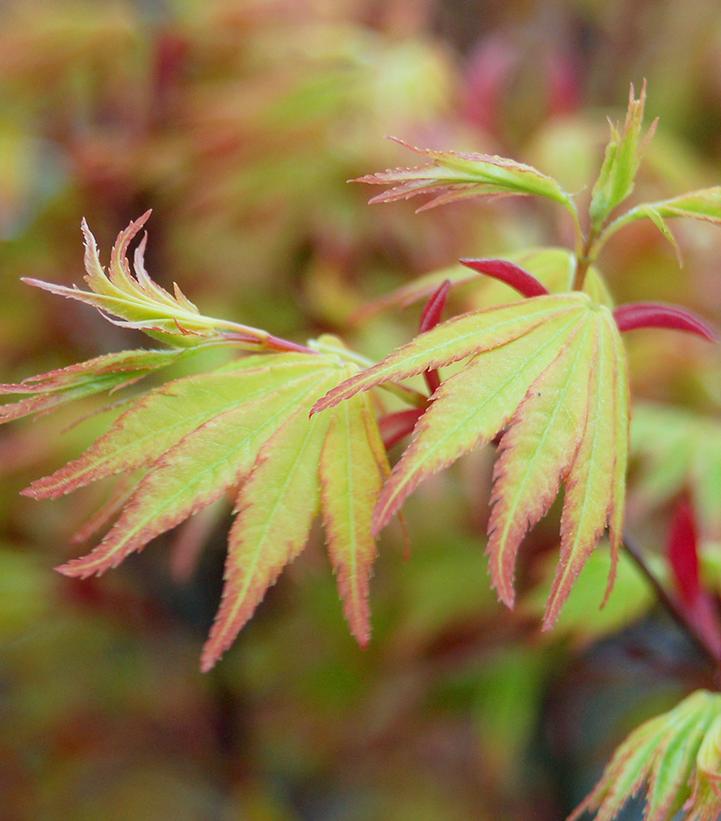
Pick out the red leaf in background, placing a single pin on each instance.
(683, 552)
(430, 317)
(486, 80)
(396, 426)
(564, 95)
(515, 276)
(660, 315)
(698, 605)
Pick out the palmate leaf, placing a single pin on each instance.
(247, 423)
(676, 756)
(551, 370)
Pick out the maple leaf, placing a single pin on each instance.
(194, 438)
(140, 303)
(621, 160)
(548, 373)
(677, 756)
(450, 176)
(703, 205)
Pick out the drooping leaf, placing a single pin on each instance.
(352, 472)
(553, 370)
(277, 506)
(666, 754)
(451, 176)
(187, 443)
(163, 417)
(621, 160)
(194, 471)
(538, 449)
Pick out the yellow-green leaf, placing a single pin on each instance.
(277, 506)
(352, 471)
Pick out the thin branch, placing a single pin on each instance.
(676, 613)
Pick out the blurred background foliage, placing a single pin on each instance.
(238, 122)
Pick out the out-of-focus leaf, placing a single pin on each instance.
(585, 617)
(665, 755)
(679, 449)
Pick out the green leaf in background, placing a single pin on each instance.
(666, 755)
(678, 450)
(621, 161)
(585, 617)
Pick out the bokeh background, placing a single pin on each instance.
(238, 122)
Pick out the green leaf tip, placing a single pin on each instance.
(621, 160)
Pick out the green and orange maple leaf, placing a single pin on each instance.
(194, 438)
(183, 445)
(548, 373)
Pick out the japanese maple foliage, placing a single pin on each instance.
(292, 430)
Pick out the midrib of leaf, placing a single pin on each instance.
(510, 516)
(128, 300)
(440, 440)
(351, 507)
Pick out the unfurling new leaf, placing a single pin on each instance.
(621, 161)
(139, 302)
(552, 370)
